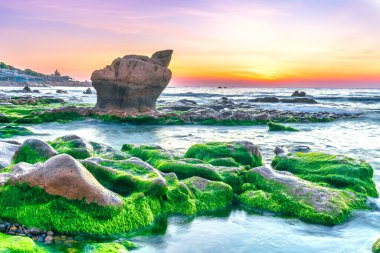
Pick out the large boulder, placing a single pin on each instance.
(133, 83)
(64, 176)
(284, 193)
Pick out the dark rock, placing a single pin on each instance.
(302, 149)
(299, 94)
(61, 91)
(36, 231)
(265, 100)
(26, 89)
(299, 100)
(133, 83)
(88, 91)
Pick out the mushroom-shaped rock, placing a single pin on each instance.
(64, 176)
(133, 83)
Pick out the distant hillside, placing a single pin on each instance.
(20, 71)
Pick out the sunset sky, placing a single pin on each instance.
(319, 43)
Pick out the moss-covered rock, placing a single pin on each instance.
(331, 170)
(209, 195)
(376, 247)
(33, 151)
(154, 155)
(278, 127)
(105, 248)
(81, 149)
(125, 177)
(13, 130)
(19, 244)
(244, 153)
(285, 194)
(185, 170)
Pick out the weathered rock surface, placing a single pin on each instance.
(321, 199)
(7, 152)
(64, 176)
(133, 83)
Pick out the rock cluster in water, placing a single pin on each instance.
(77, 186)
(132, 83)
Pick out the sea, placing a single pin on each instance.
(238, 230)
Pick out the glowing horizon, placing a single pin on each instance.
(284, 43)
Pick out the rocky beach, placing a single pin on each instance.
(120, 167)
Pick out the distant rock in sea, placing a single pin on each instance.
(299, 94)
(133, 83)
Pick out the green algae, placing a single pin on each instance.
(29, 155)
(269, 195)
(236, 150)
(72, 216)
(127, 181)
(105, 248)
(150, 154)
(278, 127)
(331, 170)
(19, 244)
(210, 195)
(185, 170)
(376, 247)
(10, 131)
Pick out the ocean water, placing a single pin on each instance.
(237, 230)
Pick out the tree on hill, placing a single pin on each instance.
(57, 73)
(3, 65)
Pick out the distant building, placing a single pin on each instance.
(13, 75)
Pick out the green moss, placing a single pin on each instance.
(76, 148)
(210, 195)
(272, 196)
(185, 170)
(127, 181)
(278, 127)
(152, 155)
(104, 248)
(213, 122)
(334, 171)
(29, 155)
(72, 216)
(13, 130)
(227, 162)
(143, 119)
(235, 150)
(18, 244)
(376, 247)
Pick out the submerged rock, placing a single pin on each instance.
(104, 247)
(19, 244)
(278, 127)
(133, 83)
(64, 176)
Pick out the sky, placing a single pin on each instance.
(300, 43)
